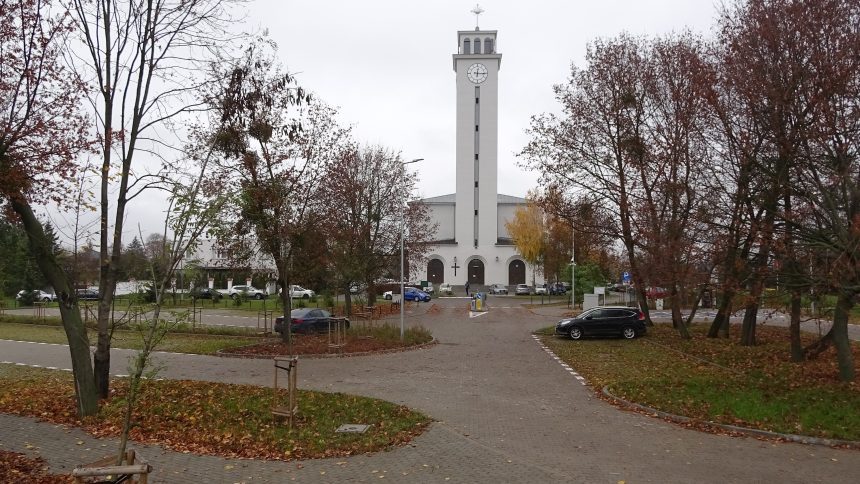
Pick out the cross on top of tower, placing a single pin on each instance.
(477, 11)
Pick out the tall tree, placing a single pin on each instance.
(529, 233)
(41, 133)
(275, 143)
(596, 146)
(145, 59)
(362, 236)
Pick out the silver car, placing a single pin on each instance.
(498, 289)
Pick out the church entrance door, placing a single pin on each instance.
(436, 271)
(476, 272)
(516, 273)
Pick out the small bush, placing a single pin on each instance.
(27, 298)
(240, 298)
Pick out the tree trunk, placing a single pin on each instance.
(695, 306)
(347, 302)
(844, 358)
(794, 327)
(721, 324)
(677, 319)
(287, 302)
(76, 332)
(751, 312)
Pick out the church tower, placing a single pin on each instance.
(477, 66)
(472, 242)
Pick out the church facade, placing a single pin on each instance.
(471, 242)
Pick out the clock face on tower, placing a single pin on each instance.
(477, 73)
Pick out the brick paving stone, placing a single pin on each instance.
(506, 411)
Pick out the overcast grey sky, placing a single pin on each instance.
(387, 66)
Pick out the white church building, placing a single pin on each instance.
(471, 242)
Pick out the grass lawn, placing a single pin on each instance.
(218, 419)
(721, 381)
(210, 339)
(202, 344)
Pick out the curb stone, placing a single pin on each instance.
(422, 346)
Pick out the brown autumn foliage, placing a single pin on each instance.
(732, 159)
(20, 469)
(42, 130)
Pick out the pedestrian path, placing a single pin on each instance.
(505, 411)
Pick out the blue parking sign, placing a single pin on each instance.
(625, 276)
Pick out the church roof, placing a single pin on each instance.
(510, 200)
(451, 198)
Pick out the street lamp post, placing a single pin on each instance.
(402, 235)
(572, 266)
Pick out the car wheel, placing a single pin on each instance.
(234, 296)
(306, 297)
(628, 332)
(575, 332)
(387, 297)
(258, 296)
(46, 299)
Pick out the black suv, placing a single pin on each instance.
(604, 321)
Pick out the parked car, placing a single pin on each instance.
(38, 295)
(388, 295)
(251, 291)
(206, 293)
(87, 295)
(617, 287)
(656, 292)
(523, 290)
(445, 289)
(498, 289)
(355, 288)
(541, 289)
(308, 320)
(298, 292)
(604, 321)
(557, 289)
(413, 294)
(428, 288)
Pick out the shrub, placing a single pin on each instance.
(27, 298)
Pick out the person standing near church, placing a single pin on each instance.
(467, 288)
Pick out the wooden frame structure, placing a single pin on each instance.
(267, 317)
(291, 409)
(336, 334)
(116, 473)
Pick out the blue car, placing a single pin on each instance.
(412, 294)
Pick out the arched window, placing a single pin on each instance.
(488, 45)
(467, 46)
(477, 46)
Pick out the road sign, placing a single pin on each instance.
(625, 276)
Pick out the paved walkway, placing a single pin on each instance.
(505, 410)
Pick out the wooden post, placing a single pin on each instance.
(336, 334)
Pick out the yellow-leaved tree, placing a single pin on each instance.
(528, 231)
